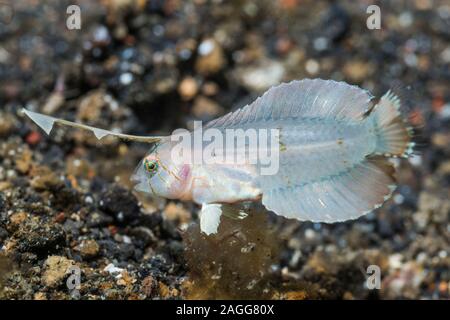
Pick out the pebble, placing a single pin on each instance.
(88, 249)
(38, 236)
(148, 286)
(43, 178)
(357, 71)
(188, 88)
(7, 123)
(176, 212)
(126, 78)
(262, 76)
(55, 270)
(91, 106)
(395, 261)
(210, 88)
(312, 66)
(210, 58)
(113, 270)
(120, 203)
(33, 138)
(206, 109)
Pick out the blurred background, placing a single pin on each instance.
(151, 66)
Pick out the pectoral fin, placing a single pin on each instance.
(210, 218)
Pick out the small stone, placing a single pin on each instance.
(206, 109)
(310, 234)
(312, 66)
(7, 123)
(441, 140)
(188, 88)
(211, 58)
(143, 235)
(53, 103)
(262, 76)
(149, 285)
(23, 162)
(98, 219)
(5, 185)
(88, 249)
(119, 203)
(126, 78)
(38, 236)
(60, 217)
(79, 167)
(3, 234)
(33, 138)
(125, 279)
(348, 296)
(295, 295)
(443, 287)
(395, 261)
(113, 270)
(166, 292)
(43, 178)
(18, 218)
(357, 71)
(91, 106)
(210, 88)
(56, 269)
(177, 212)
(40, 296)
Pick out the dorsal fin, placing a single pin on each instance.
(305, 98)
(47, 122)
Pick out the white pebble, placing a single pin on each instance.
(395, 261)
(398, 198)
(405, 19)
(415, 160)
(112, 269)
(312, 66)
(206, 47)
(320, 44)
(310, 234)
(126, 78)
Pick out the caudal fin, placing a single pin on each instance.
(393, 133)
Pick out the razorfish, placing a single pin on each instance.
(333, 150)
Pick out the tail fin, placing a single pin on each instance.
(394, 134)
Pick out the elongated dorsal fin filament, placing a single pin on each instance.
(47, 122)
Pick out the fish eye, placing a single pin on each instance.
(151, 166)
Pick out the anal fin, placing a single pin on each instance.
(344, 196)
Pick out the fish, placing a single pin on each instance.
(333, 148)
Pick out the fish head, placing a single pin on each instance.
(160, 175)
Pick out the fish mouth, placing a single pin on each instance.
(139, 184)
(139, 180)
(135, 178)
(138, 175)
